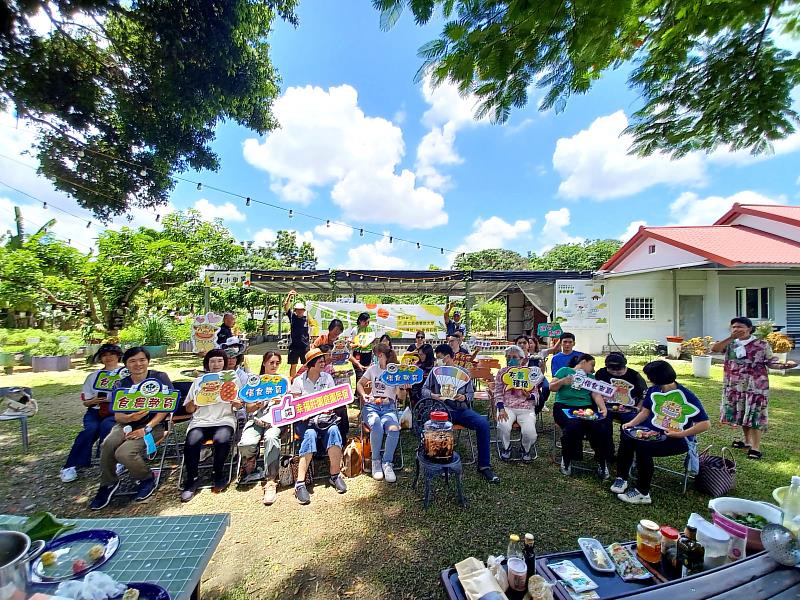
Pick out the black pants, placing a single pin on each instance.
(573, 432)
(222, 435)
(645, 451)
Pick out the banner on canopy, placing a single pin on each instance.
(397, 320)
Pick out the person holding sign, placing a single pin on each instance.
(380, 413)
(98, 420)
(461, 412)
(213, 409)
(361, 357)
(322, 426)
(258, 428)
(298, 331)
(515, 405)
(536, 356)
(128, 441)
(683, 410)
(570, 396)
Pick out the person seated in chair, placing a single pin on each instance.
(129, 449)
(515, 406)
(536, 356)
(630, 386)
(380, 413)
(214, 419)
(570, 396)
(322, 426)
(461, 412)
(678, 441)
(98, 420)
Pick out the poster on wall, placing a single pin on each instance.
(397, 320)
(580, 304)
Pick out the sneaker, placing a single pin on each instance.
(301, 493)
(505, 453)
(256, 475)
(270, 493)
(120, 469)
(388, 473)
(377, 470)
(103, 496)
(146, 489)
(69, 474)
(619, 486)
(527, 457)
(219, 486)
(489, 475)
(602, 472)
(634, 496)
(188, 492)
(565, 468)
(337, 481)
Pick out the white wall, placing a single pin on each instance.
(730, 280)
(775, 227)
(664, 256)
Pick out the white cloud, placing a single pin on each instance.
(691, 209)
(264, 237)
(323, 249)
(338, 232)
(631, 230)
(326, 139)
(522, 125)
(494, 232)
(724, 156)
(399, 117)
(376, 255)
(447, 104)
(226, 211)
(553, 231)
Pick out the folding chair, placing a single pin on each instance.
(491, 414)
(231, 460)
(421, 414)
(685, 475)
(575, 464)
(399, 464)
(127, 486)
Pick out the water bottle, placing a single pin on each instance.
(791, 507)
(514, 547)
(127, 429)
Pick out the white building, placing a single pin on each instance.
(690, 281)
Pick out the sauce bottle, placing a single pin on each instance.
(690, 552)
(529, 554)
(670, 567)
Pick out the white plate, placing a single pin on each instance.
(589, 544)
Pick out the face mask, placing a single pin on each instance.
(513, 362)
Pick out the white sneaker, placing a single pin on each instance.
(120, 469)
(619, 486)
(634, 496)
(388, 473)
(377, 471)
(565, 470)
(69, 474)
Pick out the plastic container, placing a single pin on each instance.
(517, 574)
(648, 541)
(438, 439)
(791, 507)
(514, 549)
(715, 540)
(720, 506)
(670, 567)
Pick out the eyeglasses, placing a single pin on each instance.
(420, 337)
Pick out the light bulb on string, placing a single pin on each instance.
(327, 223)
(441, 250)
(44, 205)
(158, 218)
(390, 239)
(143, 173)
(80, 154)
(418, 246)
(361, 232)
(291, 213)
(199, 187)
(247, 202)
(88, 224)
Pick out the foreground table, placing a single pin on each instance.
(170, 551)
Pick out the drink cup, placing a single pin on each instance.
(517, 574)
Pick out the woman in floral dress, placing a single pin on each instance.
(745, 385)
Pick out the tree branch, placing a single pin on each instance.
(763, 32)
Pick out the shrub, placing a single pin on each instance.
(156, 331)
(698, 346)
(52, 347)
(779, 342)
(643, 348)
(251, 326)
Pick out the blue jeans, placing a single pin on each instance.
(329, 437)
(466, 417)
(382, 418)
(94, 428)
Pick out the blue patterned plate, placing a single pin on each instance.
(147, 591)
(66, 550)
(632, 432)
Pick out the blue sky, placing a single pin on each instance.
(362, 144)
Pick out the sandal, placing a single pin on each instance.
(739, 445)
(754, 454)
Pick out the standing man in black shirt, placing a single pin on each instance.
(226, 329)
(298, 332)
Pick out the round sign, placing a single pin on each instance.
(150, 386)
(391, 367)
(253, 380)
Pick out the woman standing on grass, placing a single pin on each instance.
(745, 384)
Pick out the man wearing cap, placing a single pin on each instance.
(226, 329)
(631, 388)
(298, 332)
(455, 323)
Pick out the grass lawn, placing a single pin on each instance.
(376, 542)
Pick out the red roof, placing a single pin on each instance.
(773, 212)
(728, 245)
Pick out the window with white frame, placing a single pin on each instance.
(755, 303)
(639, 309)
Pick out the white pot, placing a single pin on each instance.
(674, 349)
(701, 366)
(782, 356)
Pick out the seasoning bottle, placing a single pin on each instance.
(670, 567)
(690, 552)
(529, 554)
(514, 547)
(648, 544)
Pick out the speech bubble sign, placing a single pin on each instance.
(623, 392)
(106, 379)
(291, 409)
(581, 381)
(263, 387)
(671, 410)
(150, 395)
(522, 378)
(402, 375)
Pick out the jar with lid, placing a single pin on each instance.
(670, 567)
(438, 440)
(648, 541)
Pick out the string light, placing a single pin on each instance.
(390, 239)
(199, 186)
(80, 154)
(327, 222)
(44, 205)
(247, 202)
(158, 218)
(442, 250)
(291, 213)
(143, 173)
(418, 246)
(361, 232)
(88, 224)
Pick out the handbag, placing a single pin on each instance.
(287, 471)
(717, 474)
(323, 421)
(352, 457)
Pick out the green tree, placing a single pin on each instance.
(127, 94)
(587, 256)
(709, 73)
(495, 259)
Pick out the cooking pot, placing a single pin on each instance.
(16, 552)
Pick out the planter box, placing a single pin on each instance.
(7, 361)
(156, 351)
(701, 366)
(185, 346)
(41, 364)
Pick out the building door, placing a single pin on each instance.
(690, 316)
(793, 311)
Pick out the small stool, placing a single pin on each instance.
(23, 427)
(432, 469)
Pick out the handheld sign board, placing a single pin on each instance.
(106, 379)
(523, 378)
(580, 380)
(551, 330)
(150, 395)
(401, 375)
(671, 410)
(204, 332)
(263, 387)
(622, 392)
(409, 358)
(291, 409)
(450, 379)
(217, 387)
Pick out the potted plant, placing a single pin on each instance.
(7, 361)
(781, 344)
(700, 350)
(156, 335)
(52, 355)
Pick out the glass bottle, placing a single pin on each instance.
(670, 567)
(514, 547)
(791, 507)
(529, 554)
(690, 552)
(648, 542)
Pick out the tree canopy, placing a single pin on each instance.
(126, 95)
(493, 259)
(586, 256)
(709, 73)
